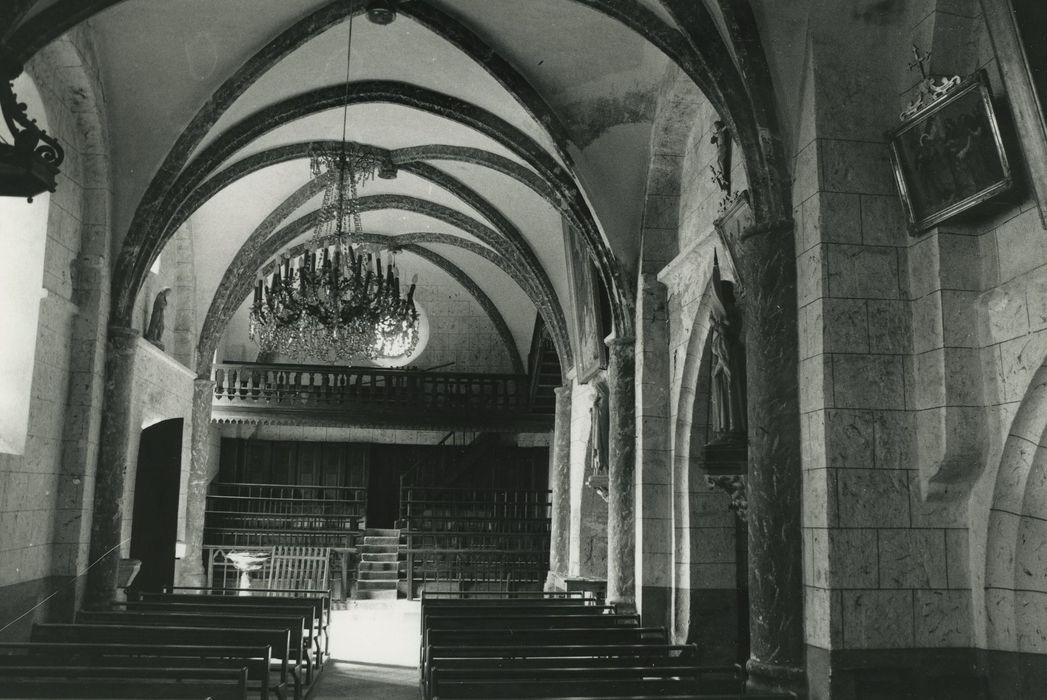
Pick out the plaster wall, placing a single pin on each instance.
(163, 389)
(174, 271)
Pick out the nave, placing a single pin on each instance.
(732, 313)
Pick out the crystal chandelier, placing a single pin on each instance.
(334, 302)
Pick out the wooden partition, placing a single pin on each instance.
(475, 539)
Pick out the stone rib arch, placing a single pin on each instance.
(701, 52)
(143, 245)
(401, 157)
(439, 261)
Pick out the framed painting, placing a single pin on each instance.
(590, 354)
(949, 156)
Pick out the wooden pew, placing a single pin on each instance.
(466, 657)
(315, 631)
(321, 602)
(54, 681)
(563, 607)
(256, 659)
(685, 696)
(277, 639)
(497, 597)
(537, 637)
(300, 648)
(514, 620)
(446, 682)
(588, 687)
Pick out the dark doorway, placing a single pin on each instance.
(154, 528)
(383, 494)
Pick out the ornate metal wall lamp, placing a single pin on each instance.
(30, 164)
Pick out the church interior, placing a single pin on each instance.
(638, 348)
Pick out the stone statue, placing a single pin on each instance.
(728, 364)
(722, 170)
(599, 441)
(155, 332)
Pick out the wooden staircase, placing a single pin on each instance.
(543, 365)
(379, 569)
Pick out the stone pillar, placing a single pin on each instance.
(621, 456)
(653, 494)
(767, 267)
(113, 462)
(560, 485)
(191, 569)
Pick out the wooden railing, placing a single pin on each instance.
(277, 514)
(475, 539)
(327, 389)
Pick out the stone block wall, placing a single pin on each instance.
(685, 531)
(905, 345)
(704, 528)
(700, 196)
(47, 490)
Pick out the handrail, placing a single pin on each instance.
(339, 388)
(349, 369)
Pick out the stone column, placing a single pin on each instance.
(621, 457)
(767, 267)
(654, 479)
(560, 530)
(191, 569)
(113, 462)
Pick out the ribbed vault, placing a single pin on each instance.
(541, 167)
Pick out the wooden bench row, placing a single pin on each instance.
(559, 647)
(176, 645)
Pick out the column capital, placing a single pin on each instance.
(564, 390)
(124, 334)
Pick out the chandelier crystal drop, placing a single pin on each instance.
(347, 168)
(334, 302)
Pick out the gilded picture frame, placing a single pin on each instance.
(949, 156)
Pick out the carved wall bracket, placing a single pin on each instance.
(734, 486)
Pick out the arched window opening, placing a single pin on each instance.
(23, 229)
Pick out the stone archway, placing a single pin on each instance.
(709, 540)
(1015, 585)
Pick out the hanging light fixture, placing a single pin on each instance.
(28, 166)
(348, 167)
(334, 301)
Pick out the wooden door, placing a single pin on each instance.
(154, 527)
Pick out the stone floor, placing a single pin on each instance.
(342, 680)
(374, 652)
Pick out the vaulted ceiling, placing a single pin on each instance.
(476, 100)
